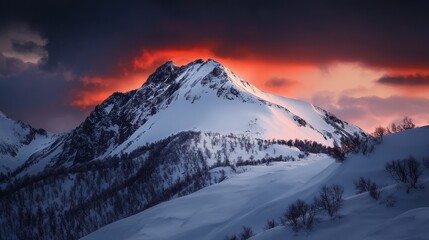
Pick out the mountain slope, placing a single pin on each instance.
(200, 96)
(18, 142)
(186, 128)
(211, 98)
(263, 193)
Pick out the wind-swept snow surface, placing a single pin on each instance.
(264, 192)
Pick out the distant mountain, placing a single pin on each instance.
(186, 128)
(18, 142)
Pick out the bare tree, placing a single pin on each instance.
(406, 171)
(374, 190)
(361, 186)
(379, 133)
(291, 216)
(366, 185)
(300, 215)
(393, 128)
(270, 224)
(330, 199)
(407, 123)
(246, 233)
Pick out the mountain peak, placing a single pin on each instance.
(165, 72)
(162, 73)
(195, 80)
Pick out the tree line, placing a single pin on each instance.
(406, 124)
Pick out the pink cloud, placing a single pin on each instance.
(369, 112)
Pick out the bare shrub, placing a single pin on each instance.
(361, 186)
(374, 190)
(366, 185)
(405, 171)
(246, 233)
(330, 199)
(300, 215)
(270, 224)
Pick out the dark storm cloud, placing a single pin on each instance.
(96, 38)
(26, 46)
(410, 80)
(10, 66)
(278, 82)
(38, 97)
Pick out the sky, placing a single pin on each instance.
(365, 61)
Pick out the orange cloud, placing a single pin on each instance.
(302, 81)
(95, 89)
(149, 59)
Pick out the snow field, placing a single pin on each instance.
(263, 192)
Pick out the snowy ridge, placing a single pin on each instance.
(18, 142)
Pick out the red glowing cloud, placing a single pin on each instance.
(302, 81)
(94, 89)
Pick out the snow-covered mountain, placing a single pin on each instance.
(200, 96)
(208, 97)
(186, 128)
(263, 193)
(18, 142)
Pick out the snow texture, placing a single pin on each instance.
(264, 192)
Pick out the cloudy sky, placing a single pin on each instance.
(365, 61)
